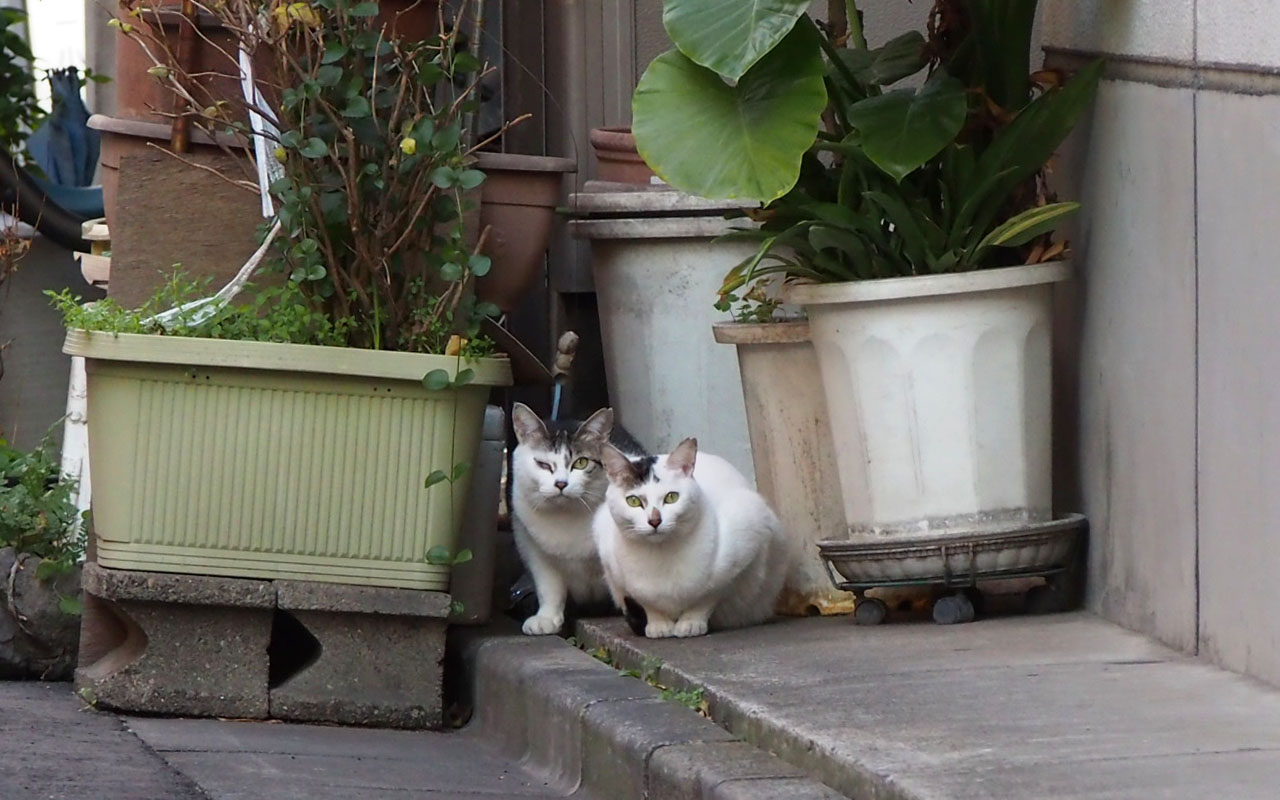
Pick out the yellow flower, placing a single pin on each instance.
(281, 155)
(409, 145)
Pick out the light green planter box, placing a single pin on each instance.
(264, 460)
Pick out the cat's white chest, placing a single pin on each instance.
(562, 533)
(667, 575)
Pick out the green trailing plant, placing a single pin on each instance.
(860, 179)
(442, 556)
(374, 167)
(37, 512)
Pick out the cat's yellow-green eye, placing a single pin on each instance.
(581, 463)
(634, 502)
(671, 497)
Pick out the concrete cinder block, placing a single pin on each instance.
(377, 600)
(379, 656)
(175, 644)
(164, 587)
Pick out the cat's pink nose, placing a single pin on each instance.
(655, 518)
(561, 485)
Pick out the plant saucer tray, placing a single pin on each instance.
(1031, 550)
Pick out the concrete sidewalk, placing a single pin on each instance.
(54, 748)
(1065, 706)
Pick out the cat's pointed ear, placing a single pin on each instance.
(683, 457)
(528, 427)
(595, 431)
(618, 467)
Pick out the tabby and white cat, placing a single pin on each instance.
(557, 484)
(691, 547)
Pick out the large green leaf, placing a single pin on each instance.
(1027, 143)
(1022, 228)
(729, 36)
(898, 58)
(903, 129)
(1022, 148)
(743, 142)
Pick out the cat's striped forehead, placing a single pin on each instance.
(642, 471)
(562, 442)
(559, 441)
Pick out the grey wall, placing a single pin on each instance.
(1172, 395)
(651, 37)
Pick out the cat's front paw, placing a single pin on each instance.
(659, 630)
(690, 627)
(540, 625)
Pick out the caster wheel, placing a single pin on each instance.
(977, 600)
(1047, 599)
(953, 610)
(870, 612)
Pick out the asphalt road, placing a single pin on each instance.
(54, 748)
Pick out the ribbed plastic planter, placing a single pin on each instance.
(939, 393)
(277, 461)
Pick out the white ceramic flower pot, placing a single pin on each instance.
(938, 389)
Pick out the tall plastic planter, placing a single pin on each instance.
(657, 269)
(791, 449)
(276, 461)
(939, 393)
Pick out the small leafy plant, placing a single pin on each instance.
(283, 314)
(372, 153)
(650, 667)
(37, 514)
(756, 305)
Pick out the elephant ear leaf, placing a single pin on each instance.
(901, 130)
(898, 58)
(744, 141)
(728, 37)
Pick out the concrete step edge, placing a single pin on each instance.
(588, 727)
(748, 726)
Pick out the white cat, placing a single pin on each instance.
(558, 482)
(690, 546)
